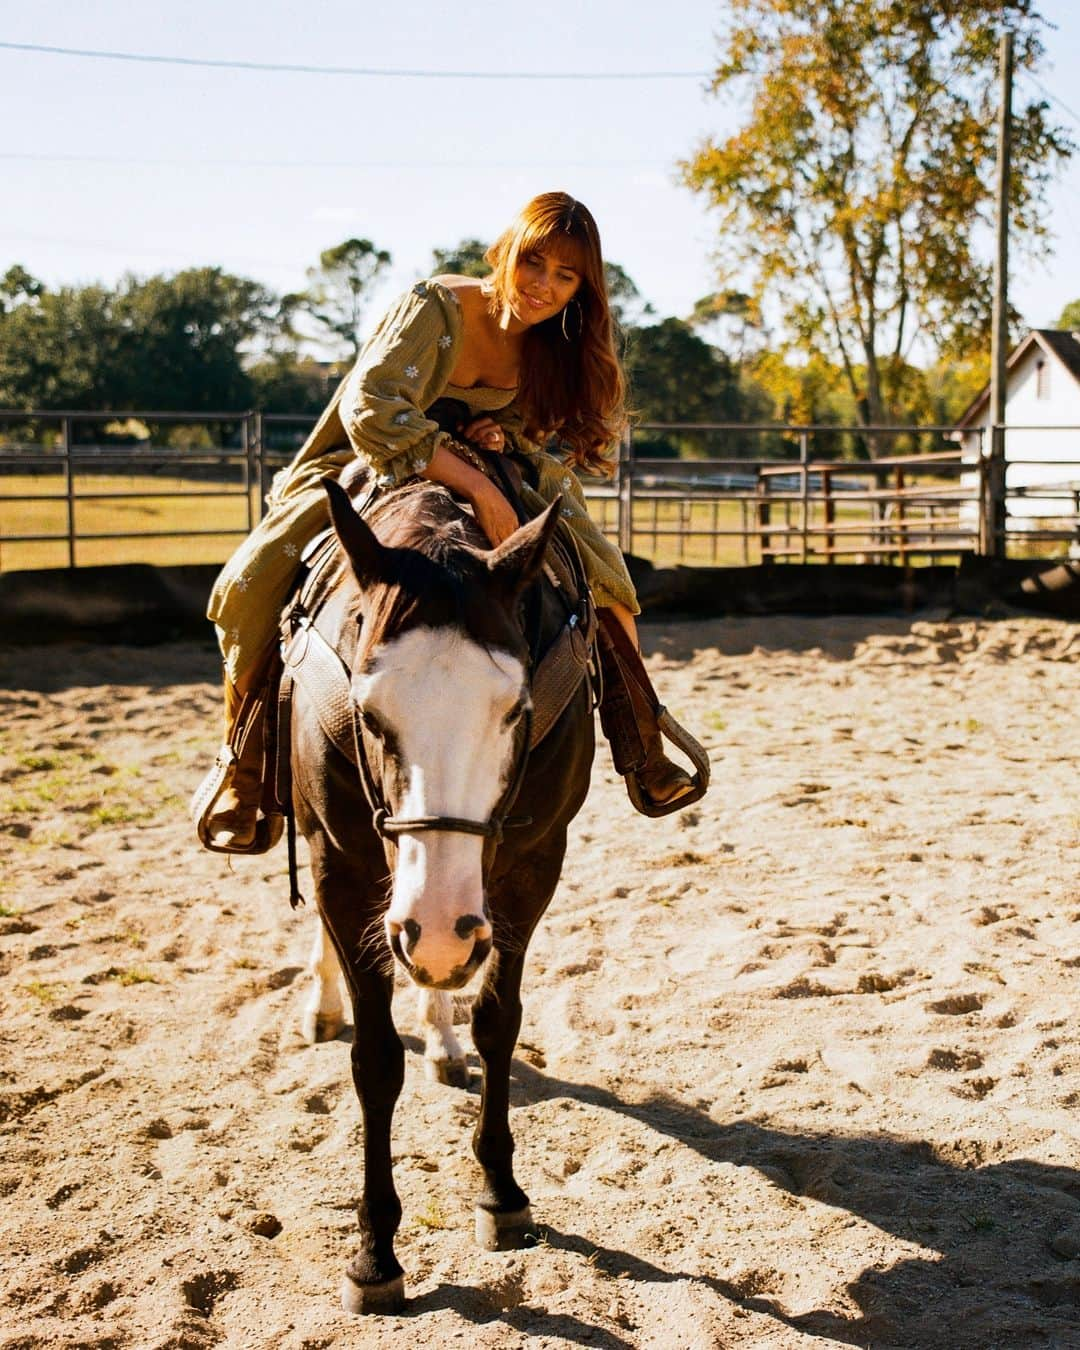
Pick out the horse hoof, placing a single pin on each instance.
(318, 1027)
(449, 1072)
(505, 1232)
(386, 1297)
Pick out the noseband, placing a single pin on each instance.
(390, 826)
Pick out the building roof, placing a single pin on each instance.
(1058, 342)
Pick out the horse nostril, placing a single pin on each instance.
(471, 923)
(412, 935)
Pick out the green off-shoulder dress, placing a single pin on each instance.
(377, 414)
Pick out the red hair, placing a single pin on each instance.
(571, 384)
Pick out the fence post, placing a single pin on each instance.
(248, 467)
(804, 462)
(626, 493)
(992, 496)
(764, 512)
(69, 486)
(830, 513)
(258, 451)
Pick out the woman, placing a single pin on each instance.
(529, 352)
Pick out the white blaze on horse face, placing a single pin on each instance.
(449, 706)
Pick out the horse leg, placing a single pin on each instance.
(324, 1014)
(374, 1281)
(444, 1059)
(503, 1218)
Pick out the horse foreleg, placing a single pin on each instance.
(444, 1059)
(374, 1281)
(324, 1013)
(503, 1217)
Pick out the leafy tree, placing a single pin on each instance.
(675, 376)
(173, 343)
(628, 307)
(17, 286)
(285, 383)
(181, 340)
(1070, 316)
(339, 289)
(59, 349)
(855, 191)
(464, 260)
(733, 316)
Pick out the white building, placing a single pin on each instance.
(1042, 437)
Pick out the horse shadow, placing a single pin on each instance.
(1005, 1237)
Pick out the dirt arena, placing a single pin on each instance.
(798, 1067)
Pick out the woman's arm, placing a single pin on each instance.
(402, 369)
(494, 514)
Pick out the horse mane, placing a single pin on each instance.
(434, 541)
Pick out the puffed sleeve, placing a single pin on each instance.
(402, 369)
(605, 567)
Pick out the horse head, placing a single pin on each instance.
(441, 695)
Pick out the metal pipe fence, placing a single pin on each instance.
(81, 488)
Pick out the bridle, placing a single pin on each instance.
(390, 826)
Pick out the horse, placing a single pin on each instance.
(439, 843)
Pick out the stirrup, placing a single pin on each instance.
(268, 823)
(694, 751)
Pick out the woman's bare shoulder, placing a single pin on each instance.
(468, 290)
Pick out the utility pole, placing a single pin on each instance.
(992, 512)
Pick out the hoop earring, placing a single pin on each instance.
(566, 310)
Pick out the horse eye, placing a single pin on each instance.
(514, 714)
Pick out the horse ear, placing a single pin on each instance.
(519, 558)
(357, 538)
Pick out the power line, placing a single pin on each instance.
(46, 157)
(369, 71)
(1051, 96)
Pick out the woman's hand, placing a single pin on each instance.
(486, 433)
(494, 514)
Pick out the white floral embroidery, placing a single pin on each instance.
(566, 511)
(290, 550)
(401, 418)
(445, 341)
(243, 582)
(566, 482)
(412, 372)
(420, 464)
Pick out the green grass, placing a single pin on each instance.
(133, 975)
(667, 531)
(42, 992)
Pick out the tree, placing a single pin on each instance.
(675, 376)
(339, 290)
(17, 286)
(174, 343)
(855, 192)
(465, 260)
(734, 315)
(181, 340)
(58, 349)
(628, 307)
(1070, 316)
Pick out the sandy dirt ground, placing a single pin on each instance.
(799, 1067)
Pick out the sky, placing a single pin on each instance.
(109, 167)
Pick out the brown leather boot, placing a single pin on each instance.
(231, 824)
(227, 805)
(632, 719)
